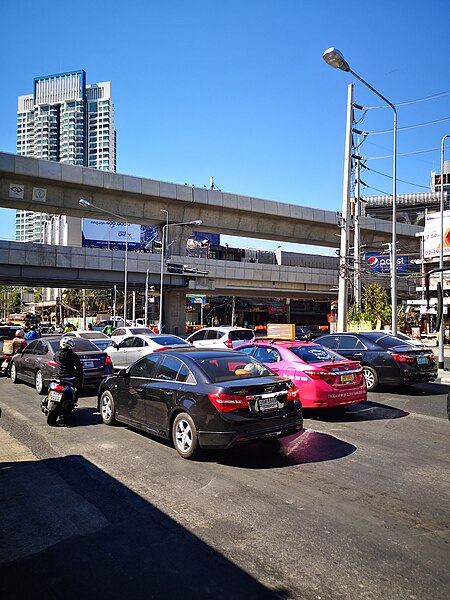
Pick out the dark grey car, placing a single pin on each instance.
(36, 364)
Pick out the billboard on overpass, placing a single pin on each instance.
(97, 233)
(109, 234)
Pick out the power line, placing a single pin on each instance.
(406, 128)
(402, 154)
(390, 177)
(406, 102)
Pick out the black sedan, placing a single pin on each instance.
(202, 399)
(385, 359)
(35, 364)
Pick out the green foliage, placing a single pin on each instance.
(375, 306)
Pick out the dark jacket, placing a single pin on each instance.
(68, 365)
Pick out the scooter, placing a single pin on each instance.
(60, 400)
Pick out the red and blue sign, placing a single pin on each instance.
(381, 263)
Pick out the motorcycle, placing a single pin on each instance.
(6, 356)
(60, 400)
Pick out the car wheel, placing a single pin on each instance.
(14, 377)
(184, 436)
(371, 378)
(39, 383)
(107, 408)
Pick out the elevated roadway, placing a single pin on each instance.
(56, 188)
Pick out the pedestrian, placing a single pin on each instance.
(90, 327)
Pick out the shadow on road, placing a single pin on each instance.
(363, 411)
(305, 447)
(422, 389)
(97, 539)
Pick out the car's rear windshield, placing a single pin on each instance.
(389, 341)
(141, 330)
(227, 368)
(81, 345)
(241, 334)
(314, 354)
(169, 340)
(93, 335)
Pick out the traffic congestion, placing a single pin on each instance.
(218, 388)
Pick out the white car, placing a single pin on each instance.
(221, 337)
(121, 333)
(132, 348)
(101, 340)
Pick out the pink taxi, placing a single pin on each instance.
(325, 379)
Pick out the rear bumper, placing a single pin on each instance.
(247, 431)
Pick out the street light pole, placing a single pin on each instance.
(163, 243)
(335, 59)
(441, 256)
(87, 204)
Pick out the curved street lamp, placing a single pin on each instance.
(87, 204)
(335, 59)
(163, 243)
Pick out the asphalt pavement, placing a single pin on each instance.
(355, 508)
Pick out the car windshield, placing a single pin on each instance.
(93, 335)
(241, 334)
(140, 330)
(389, 341)
(102, 344)
(169, 340)
(315, 354)
(81, 345)
(226, 368)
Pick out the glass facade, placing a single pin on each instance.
(64, 120)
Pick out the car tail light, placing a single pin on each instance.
(328, 376)
(228, 402)
(160, 349)
(293, 394)
(405, 358)
(108, 360)
(228, 343)
(52, 363)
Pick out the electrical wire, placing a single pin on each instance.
(402, 154)
(407, 127)
(390, 177)
(406, 102)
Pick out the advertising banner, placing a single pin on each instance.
(109, 234)
(381, 263)
(97, 233)
(432, 235)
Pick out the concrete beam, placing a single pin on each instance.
(55, 188)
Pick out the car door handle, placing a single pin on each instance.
(357, 354)
(168, 392)
(139, 389)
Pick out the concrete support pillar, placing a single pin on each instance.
(174, 318)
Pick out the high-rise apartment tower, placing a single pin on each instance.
(68, 121)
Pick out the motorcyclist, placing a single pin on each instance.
(68, 364)
(32, 334)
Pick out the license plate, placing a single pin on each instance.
(347, 378)
(422, 360)
(88, 365)
(267, 403)
(5, 364)
(54, 396)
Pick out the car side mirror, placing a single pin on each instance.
(125, 374)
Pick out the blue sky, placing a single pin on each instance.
(239, 90)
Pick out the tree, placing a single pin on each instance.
(375, 306)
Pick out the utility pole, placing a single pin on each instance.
(345, 222)
(357, 237)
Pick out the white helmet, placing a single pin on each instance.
(67, 342)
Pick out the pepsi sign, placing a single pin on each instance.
(381, 263)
